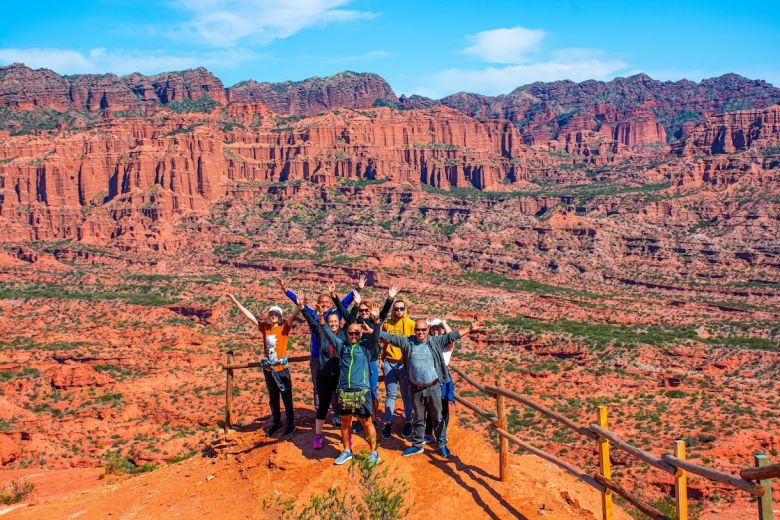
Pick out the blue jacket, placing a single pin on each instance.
(330, 352)
(353, 368)
(314, 343)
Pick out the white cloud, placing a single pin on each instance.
(101, 60)
(504, 45)
(55, 59)
(517, 59)
(502, 80)
(224, 23)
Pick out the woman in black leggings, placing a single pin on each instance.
(328, 376)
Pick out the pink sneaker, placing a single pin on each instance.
(318, 442)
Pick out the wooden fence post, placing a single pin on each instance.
(681, 483)
(606, 470)
(503, 443)
(228, 391)
(765, 502)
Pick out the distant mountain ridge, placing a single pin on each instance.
(636, 110)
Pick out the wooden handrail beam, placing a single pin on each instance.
(574, 470)
(468, 379)
(632, 499)
(770, 471)
(715, 475)
(543, 410)
(257, 364)
(476, 409)
(632, 450)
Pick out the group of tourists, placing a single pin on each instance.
(350, 339)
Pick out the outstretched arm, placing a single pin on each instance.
(475, 326)
(292, 317)
(251, 317)
(447, 329)
(342, 309)
(398, 341)
(391, 293)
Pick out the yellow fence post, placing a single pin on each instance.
(681, 483)
(503, 442)
(606, 471)
(765, 511)
(228, 392)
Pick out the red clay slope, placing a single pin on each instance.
(234, 483)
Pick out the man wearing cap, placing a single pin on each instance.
(439, 327)
(427, 370)
(276, 333)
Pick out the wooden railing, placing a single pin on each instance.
(756, 481)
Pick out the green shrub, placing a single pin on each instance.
(203, 104)
(116, 464)
(376, 497)
(16, 491)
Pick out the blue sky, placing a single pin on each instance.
(432, 48)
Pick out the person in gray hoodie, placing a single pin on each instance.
(427, 370)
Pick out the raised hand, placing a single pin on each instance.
(282, 285)
(373, 310)
(332, 289)
(320, 312)
(476, 326)
(301, 301)
(356, 296)
(362, 282)
(392, 292)
(366, 328)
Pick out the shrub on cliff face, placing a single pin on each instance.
(375, 496)
(16, 491)
(203, 104)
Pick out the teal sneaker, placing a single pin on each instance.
(373, 459)
(343, 457)
(444, 452)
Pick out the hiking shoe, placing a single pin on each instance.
(387, 431)
(373, 459)
(336, 421)
(412, 450)
(343, 457)
(428, 439)
(289, 431)
(408, 430)
(273, 429)
(318, 443)
(444, 451)
(357, 427)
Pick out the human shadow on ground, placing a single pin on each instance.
(476, 474)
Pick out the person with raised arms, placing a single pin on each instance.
(439, 327)
(427, 369)
(329, 360)
(324, 303)
(396, 376)
(354, 393)
(275, 333)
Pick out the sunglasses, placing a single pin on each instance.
(354, 333)
(421, 330)
(363, 310)
(399, 309)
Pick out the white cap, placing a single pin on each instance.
(435, 322)
(278, 310)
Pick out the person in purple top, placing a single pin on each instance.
(324, 302)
